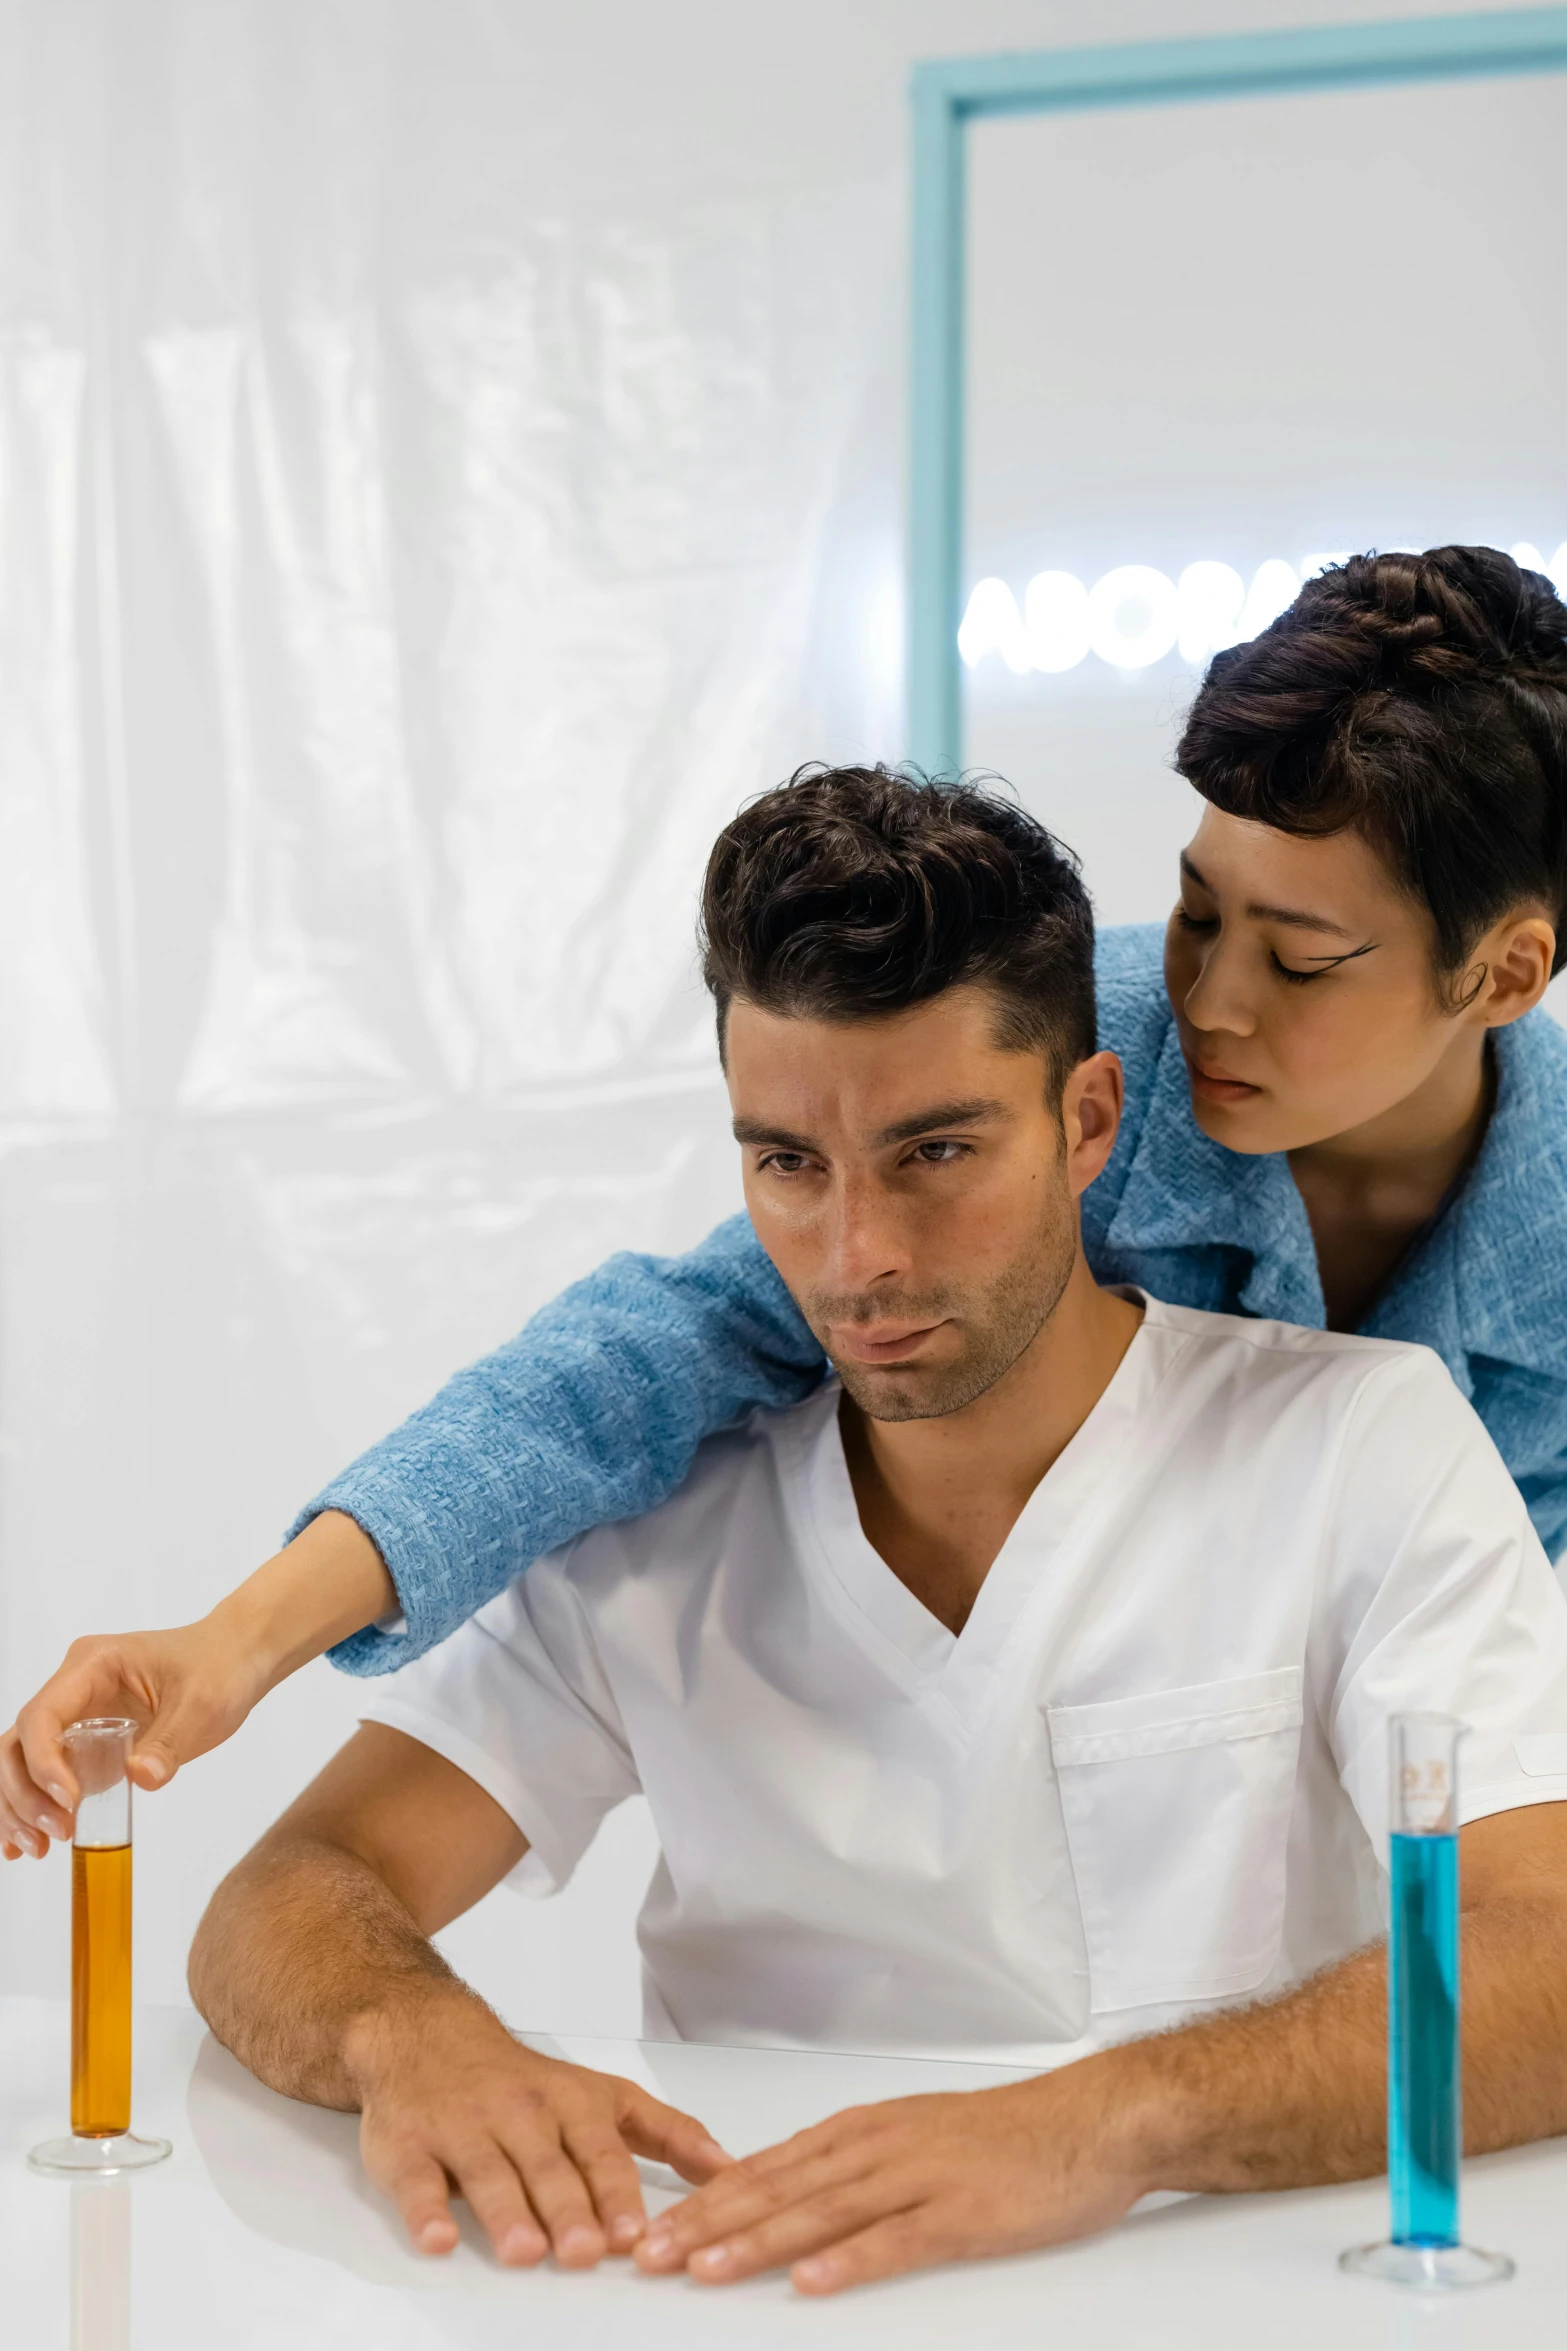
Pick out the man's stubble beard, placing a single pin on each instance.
(1001, 1322)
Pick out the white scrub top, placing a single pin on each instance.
(1149, 1777)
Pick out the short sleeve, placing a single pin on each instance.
(519, 1700)
(1438, 1597)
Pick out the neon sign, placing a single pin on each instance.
(1134, 615)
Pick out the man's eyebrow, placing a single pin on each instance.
(1294, 918)
(980, 1112)
(751, 1130)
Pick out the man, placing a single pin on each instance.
(1021, 1695)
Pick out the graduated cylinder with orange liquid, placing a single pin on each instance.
(101, 2137)
(100, 1990)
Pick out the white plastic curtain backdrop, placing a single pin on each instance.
(450, 454)
(448, 458)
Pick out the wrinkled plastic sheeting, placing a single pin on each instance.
(414, 543)
(444, 468)
(407, 570)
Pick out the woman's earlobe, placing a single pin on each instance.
(1520, 971)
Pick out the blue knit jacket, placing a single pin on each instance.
(594, 1410)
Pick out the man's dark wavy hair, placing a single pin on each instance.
(1422, 701)
(853, 892)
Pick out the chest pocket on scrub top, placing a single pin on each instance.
(1177, 1807)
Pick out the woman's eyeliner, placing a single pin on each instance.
(1324, 963)
(1286, 971)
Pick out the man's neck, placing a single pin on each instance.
(938, 1498)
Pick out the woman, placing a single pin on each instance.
(1342, 1107)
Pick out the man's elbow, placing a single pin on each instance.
(239, 1952)
(218, 1937)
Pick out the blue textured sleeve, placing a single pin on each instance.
(1134, 1020)
(1547, 1501)
(591, 1413)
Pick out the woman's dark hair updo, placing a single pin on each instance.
(1421, 700)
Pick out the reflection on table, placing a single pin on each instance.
(100, 2264)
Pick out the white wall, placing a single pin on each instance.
(449, 455)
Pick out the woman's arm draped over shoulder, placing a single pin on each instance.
(591, 1413)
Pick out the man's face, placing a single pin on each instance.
(914, 1188)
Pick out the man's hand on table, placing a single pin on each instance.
(542, 2151)
(882, 2189)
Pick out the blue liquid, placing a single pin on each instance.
(1424, 2130)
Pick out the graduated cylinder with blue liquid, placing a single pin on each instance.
(1425, 2133)
(1424, 2095)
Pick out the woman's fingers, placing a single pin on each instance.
(651, 2128)
(188, 1686)
(17, 1838)
(24, 1806)
(188, 1719)
(36, 1777)
(19, 1830)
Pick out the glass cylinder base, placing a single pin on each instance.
(75, 2158)
(1439, 2268)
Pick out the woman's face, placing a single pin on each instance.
(1302, 984)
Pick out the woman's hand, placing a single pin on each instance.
(188, 1688)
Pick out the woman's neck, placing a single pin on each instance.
(1370, 1192)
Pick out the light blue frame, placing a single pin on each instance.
(951, 92)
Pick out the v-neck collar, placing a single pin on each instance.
(952, 1676)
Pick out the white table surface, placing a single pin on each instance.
(260, 2235)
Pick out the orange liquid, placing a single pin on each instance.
(100, 1990)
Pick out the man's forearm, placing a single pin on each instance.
(302, 1951)
(1281, 2095)
(1293, 2092)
